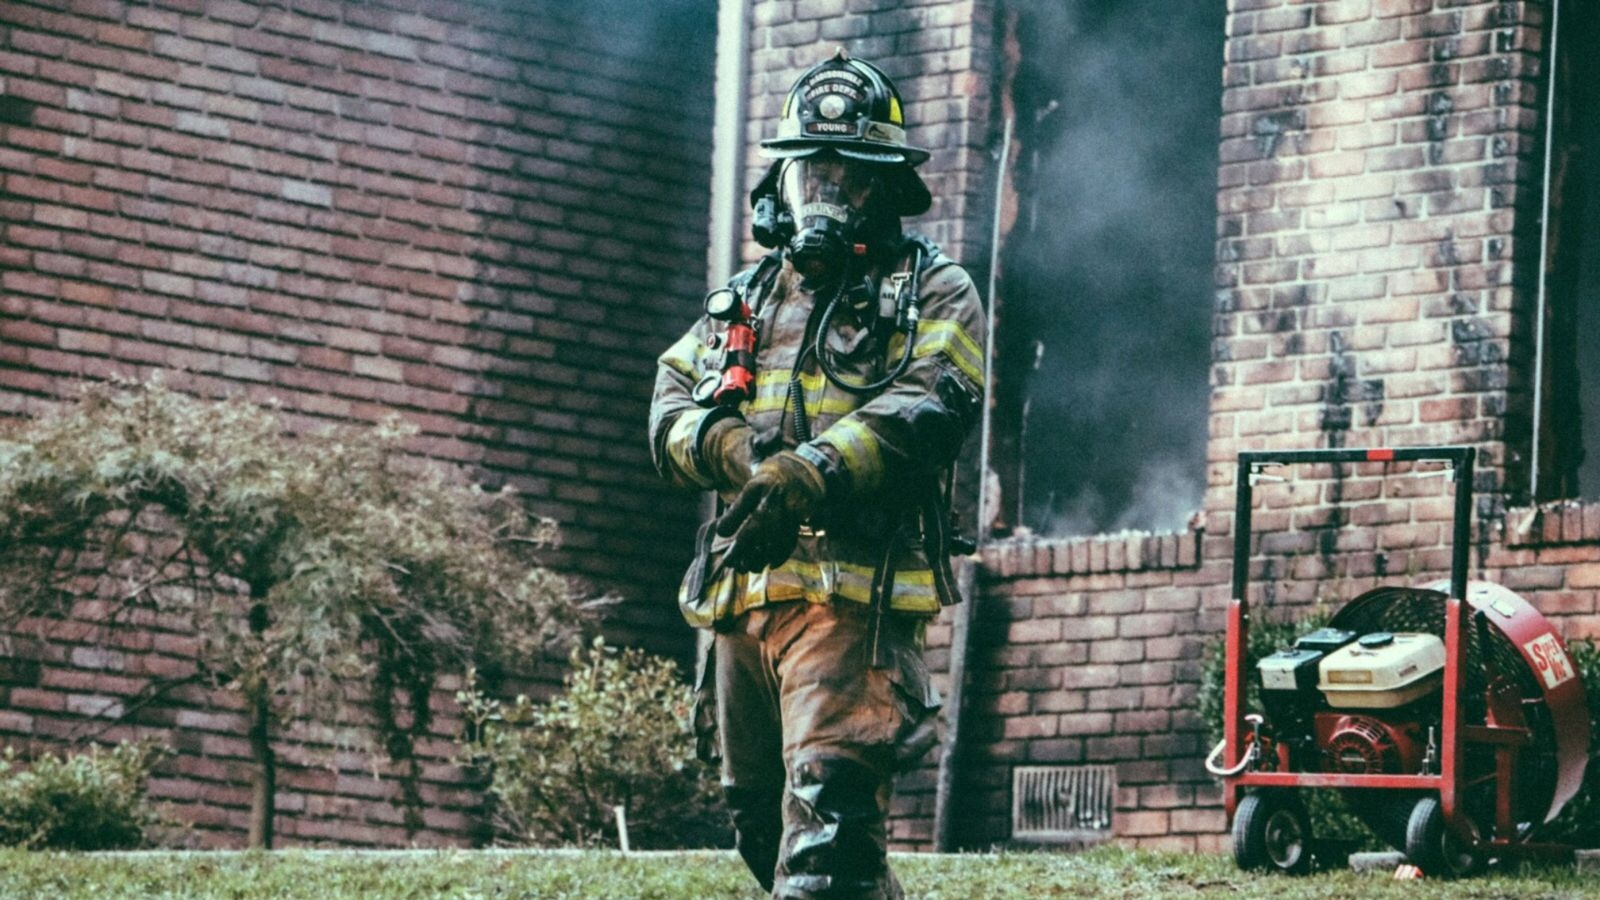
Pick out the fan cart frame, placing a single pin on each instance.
(1438, 820)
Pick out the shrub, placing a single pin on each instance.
(89, 801)
(618, 734)
(1266, 638)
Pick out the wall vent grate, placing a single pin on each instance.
(1062, 804)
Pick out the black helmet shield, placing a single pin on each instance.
(842, 171)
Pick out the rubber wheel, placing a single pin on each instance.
(1271, 831)
(1433, 848)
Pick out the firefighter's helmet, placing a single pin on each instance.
(850, 107)
(847, 105)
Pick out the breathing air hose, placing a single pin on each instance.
(797, 408)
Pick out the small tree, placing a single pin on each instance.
(619, 734)
(302, 563)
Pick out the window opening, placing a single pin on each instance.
(1566, 451)
(1103, 348)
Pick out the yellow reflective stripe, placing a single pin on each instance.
(687, 357)
(948, 337)
(862, 453)
(772, 391)
(778, 382)
(945, 337)
(910, 585)
(734, 594)
(830, 406)
(772, 388)
(721, 602)
(680, 447)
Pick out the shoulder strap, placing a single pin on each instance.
(758, 276)
(916, 241)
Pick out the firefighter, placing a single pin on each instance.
(823, 398)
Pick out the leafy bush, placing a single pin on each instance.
(1266, 638)
(286, 553)
(90, 801)
(619, 734)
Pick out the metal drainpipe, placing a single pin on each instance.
(727, 177)
(727, 138)
(1541, 295)
(967, 573)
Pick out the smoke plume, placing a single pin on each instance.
(1106, 299)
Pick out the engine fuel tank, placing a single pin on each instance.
(1382, 670)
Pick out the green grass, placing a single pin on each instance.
(1105, 872)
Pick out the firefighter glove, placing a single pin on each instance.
(728, 450)
(764, 520)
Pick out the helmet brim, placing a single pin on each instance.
(796, 148)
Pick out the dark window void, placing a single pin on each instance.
(1104, 306)
(1569, 426)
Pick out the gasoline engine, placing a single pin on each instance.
(1339, 701)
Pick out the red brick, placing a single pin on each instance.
(1034, 726)
(25, 332)
(1116, 651)
(1584, 576)
(1144, 823)
(1034, 631)
(1191, 821)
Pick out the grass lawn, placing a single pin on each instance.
(608, 875)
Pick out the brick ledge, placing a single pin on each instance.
(1556, 522)
(1127, 551)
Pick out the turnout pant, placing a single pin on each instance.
(811, 736)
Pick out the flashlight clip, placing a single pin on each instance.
(733, 381)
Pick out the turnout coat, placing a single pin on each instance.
(889, 448)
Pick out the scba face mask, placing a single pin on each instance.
(831, 201)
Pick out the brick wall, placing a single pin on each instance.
(488, 217)
(1376, 255)
(1085, 651)
(1377, 262)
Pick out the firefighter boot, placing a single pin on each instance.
(835, 840)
